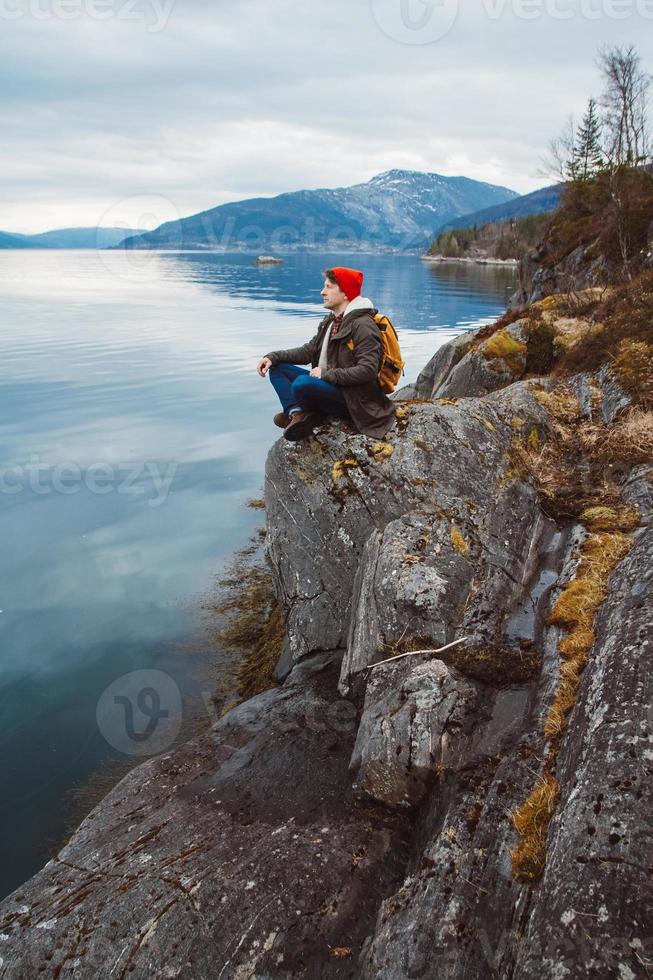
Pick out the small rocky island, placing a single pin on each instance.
(474, 813)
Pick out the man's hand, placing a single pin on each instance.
(264, 366)
(316, 372)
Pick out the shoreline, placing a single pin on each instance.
(465, 260)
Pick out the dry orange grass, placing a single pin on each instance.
(553, 467)
(578, 465)
(603, 518)
(634, 367)
(620, 334)
(458, 542)
(572, 333)
(628, 441)
(576, 609)
(532, 821)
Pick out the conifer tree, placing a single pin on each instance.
(587, 158)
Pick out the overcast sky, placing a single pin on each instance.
(131, 112)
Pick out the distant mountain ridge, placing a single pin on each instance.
(69, 238)
(541, 201)
(395, 209)
(7, 240)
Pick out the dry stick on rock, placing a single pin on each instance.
(414, 653)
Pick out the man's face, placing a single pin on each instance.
(332, 295)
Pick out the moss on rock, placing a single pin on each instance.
(502, 345)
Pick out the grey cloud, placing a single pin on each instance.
(247, 97)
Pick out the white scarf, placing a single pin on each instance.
(322, 363)
(359, 303)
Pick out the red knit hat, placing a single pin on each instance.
(349, 280)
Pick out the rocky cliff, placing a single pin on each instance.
(475, 812)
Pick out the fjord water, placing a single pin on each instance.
(133, 430)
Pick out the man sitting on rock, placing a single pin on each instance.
(345, 356)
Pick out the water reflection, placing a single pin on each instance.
(401, 283)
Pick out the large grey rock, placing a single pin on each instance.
(432, 579)
(539, 277)
(441, 364)
(421, 719)
(481, 370)
(456, 915)
(471, 366)
(416, 717)
(589, 915)
(242, 854)
(326, 496)
(614, 398)
(460, 914)
(600, 396)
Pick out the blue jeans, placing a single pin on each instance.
(298, 391)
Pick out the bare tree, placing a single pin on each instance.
(559, 160)
(625, 102)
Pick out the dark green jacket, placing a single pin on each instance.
(355, 371)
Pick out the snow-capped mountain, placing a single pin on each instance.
(397, 209)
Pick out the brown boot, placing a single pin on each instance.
(301, 425)
(281, 419)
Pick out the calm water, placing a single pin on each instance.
(133, 429)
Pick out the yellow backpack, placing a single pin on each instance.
(392, 364)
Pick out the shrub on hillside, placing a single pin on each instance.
(612, 213)
(509, 239)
